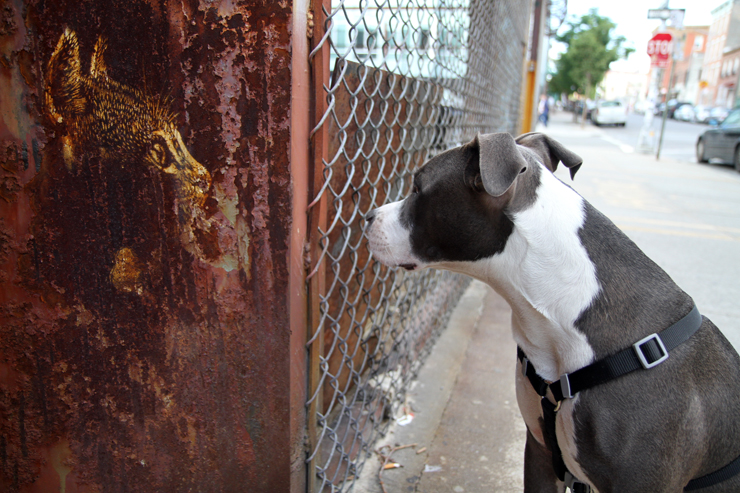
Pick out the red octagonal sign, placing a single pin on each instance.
(660, 46)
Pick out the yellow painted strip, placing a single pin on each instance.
(675, 232)
(676, 224)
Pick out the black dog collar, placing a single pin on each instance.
(645, 353)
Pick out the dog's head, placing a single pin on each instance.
(462, 202)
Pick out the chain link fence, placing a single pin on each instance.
(409, 79)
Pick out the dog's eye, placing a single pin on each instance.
(414, 188)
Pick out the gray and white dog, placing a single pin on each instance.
(580, 291)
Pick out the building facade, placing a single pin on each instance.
(728, 78)
(688, 71)
(683, 81)
(724, 38)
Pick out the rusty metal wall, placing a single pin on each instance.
(396, 82)
(145, 212)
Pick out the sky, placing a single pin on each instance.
(630, 16)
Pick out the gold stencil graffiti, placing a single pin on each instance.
(95, 116)
(122, 122)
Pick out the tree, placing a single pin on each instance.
(591, 49)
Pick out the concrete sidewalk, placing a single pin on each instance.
(561, 124)
(467, 426)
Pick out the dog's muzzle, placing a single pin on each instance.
(388, 240)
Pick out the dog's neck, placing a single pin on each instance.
(547, 278)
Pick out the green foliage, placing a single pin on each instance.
(591, 49)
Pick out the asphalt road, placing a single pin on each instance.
(679, 138)
(684, 215)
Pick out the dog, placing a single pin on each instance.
(580, 290)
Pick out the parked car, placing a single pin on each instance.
(672, 105)
(721, 142)
(672, 108)
(578, 108)
(609, 113)
(641, 107)
(685, 113)
(701, 113)
(718, 114)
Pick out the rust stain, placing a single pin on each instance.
(11, 161)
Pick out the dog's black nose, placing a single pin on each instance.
(370, 216)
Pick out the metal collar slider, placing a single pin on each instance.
(650, 355)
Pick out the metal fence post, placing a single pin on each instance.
(319, 62)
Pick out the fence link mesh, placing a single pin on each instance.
(409, 79)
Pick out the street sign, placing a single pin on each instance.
(663, 14)
(659, 48)
(660, 45)
(659, 62)
(674, 15)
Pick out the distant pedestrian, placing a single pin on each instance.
(544, 109)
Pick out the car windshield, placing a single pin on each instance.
(610, 104)
(732, 120)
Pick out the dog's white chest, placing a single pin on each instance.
(548, 279)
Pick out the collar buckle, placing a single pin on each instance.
(650, 355)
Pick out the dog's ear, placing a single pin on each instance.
(551, 152)
(499, 160)
(63, 97)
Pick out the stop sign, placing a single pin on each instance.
(660, 46)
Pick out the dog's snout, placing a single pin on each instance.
(370, 217)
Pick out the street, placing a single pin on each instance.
(684, 215)
(679, 137)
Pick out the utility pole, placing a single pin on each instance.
(530, 106)
(645, 141)
(665, 110)
(676, 17)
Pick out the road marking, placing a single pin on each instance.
(677, 224)
(673, 232)
(627, 149)
(674, 228)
